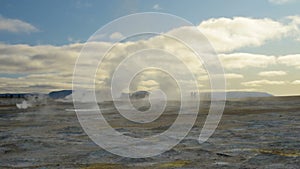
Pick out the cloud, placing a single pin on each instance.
(229, 34)
(157, 7)
(272, 73)
(147, 85)
(279, 2)
(296, 82)
(233, 76)
(41, 58)
(50, 67)
(116, 36)
(258, 83)
(16, 26)
(56, 61)
(244, 60)
(247, 60)
(295, 21)
(37, 83)
(290, 60)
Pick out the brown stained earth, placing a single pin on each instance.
(253, 133)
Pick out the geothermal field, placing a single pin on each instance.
(253, 133)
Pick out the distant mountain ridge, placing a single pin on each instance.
(20, 95)
(59, 94)
(235, 95)
(53, 95)
(238, 95)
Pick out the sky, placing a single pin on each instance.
(257, 41)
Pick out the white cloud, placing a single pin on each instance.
(157, 7)
(257, 83)
(57, 62)
(116, 36)
(243, 60)
(147, 85)
(233, 76)
(295, 21)
(279, 2)
(290, 60)
(296, 82)
(272, 73)
(16, 26)
(37, 83)
(229, 34)
(41, 59)
(48, 66)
